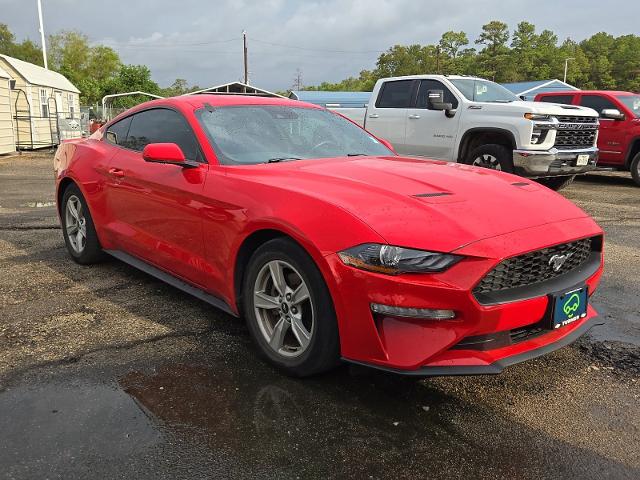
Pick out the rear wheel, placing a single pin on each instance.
(289, 310)
(556, 183)
(492, 156)
(77, 227)
(635, 169)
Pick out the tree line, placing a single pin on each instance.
(96, 70)
(599, 62)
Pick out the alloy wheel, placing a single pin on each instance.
(283, 308)
(487, 161)
(76, 224)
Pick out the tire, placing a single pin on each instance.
(493, 156)
(556, 183)
(78, 230)
(309, 342)
(635, 169)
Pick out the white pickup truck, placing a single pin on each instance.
(478, 122)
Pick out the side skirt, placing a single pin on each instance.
(171, 280)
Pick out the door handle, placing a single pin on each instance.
(116, 172)
(374, 115)
(414, 117)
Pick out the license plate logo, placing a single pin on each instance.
(582, 160)
(569, 307)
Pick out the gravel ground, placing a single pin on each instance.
(106, 372)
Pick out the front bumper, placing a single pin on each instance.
(497, 366)
(510, 332)
(553, 162)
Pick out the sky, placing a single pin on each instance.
(328, 40)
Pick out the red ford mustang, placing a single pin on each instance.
(330, 245)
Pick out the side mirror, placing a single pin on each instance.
(612, 114)
(435, 100)
(387, 144)
(522, 97)
(169, 153)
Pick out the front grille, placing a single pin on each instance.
(572, 139)
(535, 267)
(576, 132)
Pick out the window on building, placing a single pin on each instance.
(72, 107)
(44, 102)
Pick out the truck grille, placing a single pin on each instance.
(576, 132)
(535, 267)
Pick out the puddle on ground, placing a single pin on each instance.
(38, 204)
(242, 421)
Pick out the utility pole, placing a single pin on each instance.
(566, 66)
(297, 81)
(246, 60)
(44, 46)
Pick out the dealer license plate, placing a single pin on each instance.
(582, 160)
(569, 307)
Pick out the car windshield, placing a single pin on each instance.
(632, 102)
(483, 90)
(250, 134)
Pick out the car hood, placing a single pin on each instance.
(556, 109)
(425, 204)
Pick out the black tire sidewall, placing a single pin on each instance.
(503, 154)
(635, 169)
(556, 183)
(324, 350)
(92, 251)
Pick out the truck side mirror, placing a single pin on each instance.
(435, 101)
(612, 114)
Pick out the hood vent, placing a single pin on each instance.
(434, 194)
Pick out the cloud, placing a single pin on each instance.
(327, 39)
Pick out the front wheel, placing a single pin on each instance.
(289, 310)
(492, 156)
(556, 183)
(635, 169)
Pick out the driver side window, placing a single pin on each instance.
(426, 85)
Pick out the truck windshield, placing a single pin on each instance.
(251, 134)
(483, 90)
(632, 102)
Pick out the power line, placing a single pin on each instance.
(316, 49)
(161, 45)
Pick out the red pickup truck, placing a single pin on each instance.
(619, 138)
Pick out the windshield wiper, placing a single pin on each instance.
(282, 159)
(357, 155)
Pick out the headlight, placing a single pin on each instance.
(537, 116)
(395, 260)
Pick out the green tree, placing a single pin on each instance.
(132, 78)
(494, 57)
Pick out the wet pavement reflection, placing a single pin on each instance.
(201, 417)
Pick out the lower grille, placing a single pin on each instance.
(538, 266)
(502, 339)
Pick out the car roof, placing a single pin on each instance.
(197, 101)
(217, 100)
(588, 92)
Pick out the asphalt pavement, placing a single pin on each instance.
(108, 373)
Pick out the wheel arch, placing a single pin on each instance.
(474, 137)
(254, 240)
(634, 149)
